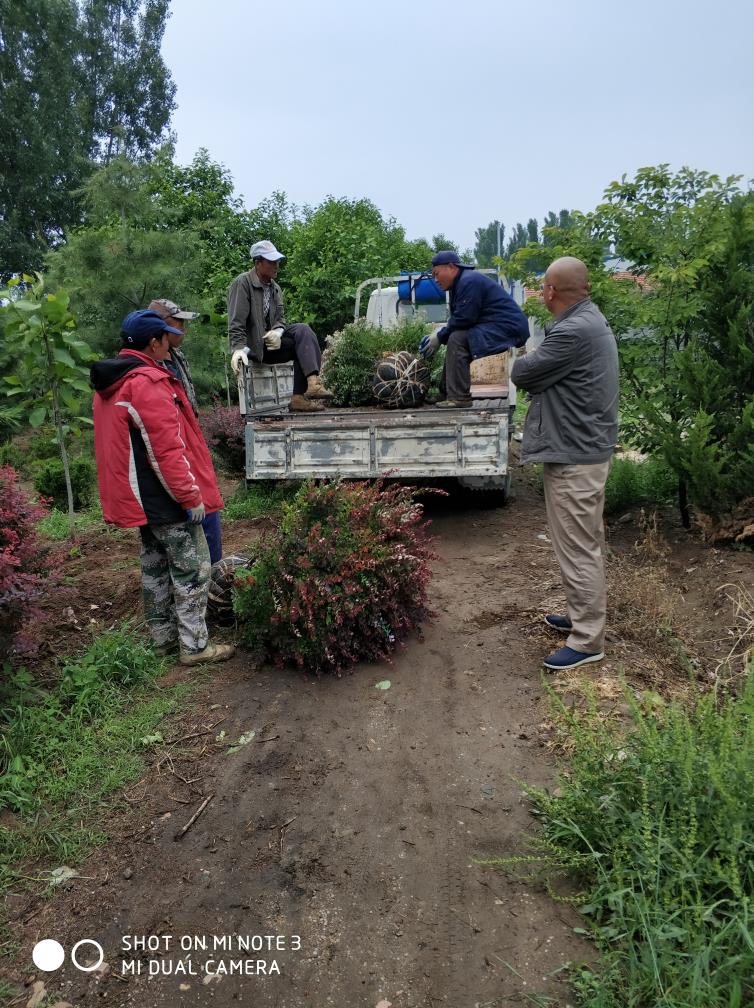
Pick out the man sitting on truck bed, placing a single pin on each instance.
(484, 320)
(256, 329)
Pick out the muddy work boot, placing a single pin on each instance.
(211, 653)
(300, 404)
(315, 389)
(453, 404)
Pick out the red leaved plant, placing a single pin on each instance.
(27, 568)
(343, 580)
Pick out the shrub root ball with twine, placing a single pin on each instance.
(343, 580)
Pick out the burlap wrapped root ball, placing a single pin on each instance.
(400, 380)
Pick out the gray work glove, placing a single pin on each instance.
(272, 339)
(238, 357)
(428, 346)
(196, 514)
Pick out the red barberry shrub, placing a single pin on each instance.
(27, 569)
(344, 579)
(223, 427)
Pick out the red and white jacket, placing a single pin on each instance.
(153, 463)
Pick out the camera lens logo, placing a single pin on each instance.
(48, 955)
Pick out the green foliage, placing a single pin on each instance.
(651, 483)
(64, 752)
(343, 580)
(55, 745)
(490, 243)
(692, 235)
(132, 247)
(42, 364)
(78, 82)
(127, 89)
(262, 499)
(351, 356)
(333, 248)
(655, 824)
(11, 455)
(56, 526)
(685, 328)
(49, 481)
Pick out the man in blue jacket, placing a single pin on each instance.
(484, 320)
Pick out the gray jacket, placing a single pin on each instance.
(246, 322)
(572, 378)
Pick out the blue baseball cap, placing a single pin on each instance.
(448, 258)
(138, 328)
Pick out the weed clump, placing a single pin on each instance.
(344, 579)
(655, 823)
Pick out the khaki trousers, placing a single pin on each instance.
(575, 498)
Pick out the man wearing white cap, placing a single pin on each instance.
(257, 329)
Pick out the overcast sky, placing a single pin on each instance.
(448, 115)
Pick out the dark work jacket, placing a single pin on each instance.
(489, 315)
(246, 320)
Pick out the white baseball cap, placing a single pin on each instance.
(265, 250)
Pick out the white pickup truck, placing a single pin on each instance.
(420, 444)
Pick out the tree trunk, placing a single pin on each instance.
(683, 503)
(57, 420)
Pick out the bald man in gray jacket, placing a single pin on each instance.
(572, 427)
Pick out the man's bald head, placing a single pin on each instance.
(566, 282)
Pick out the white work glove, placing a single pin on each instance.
(272, 339)
(428, 346)
(196, 514)
(238, 357)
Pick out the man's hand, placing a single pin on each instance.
(238, 356)
(272, 339)
(428, 346)
(196, 514)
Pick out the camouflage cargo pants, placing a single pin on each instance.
(175, 577)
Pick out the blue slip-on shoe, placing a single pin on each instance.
(561, 623)
(567, 658)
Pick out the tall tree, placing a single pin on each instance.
(333, 248)
(76, 86)
(128, 92)
(126, 254)
(490, 242)
(42, 140)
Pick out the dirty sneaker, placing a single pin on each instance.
(567, 658)
(212, 653)
(561, 623)
(300, 404)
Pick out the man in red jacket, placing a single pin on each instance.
(155, 473)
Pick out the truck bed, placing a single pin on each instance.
(368, 442)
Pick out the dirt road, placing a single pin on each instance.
(349, 827)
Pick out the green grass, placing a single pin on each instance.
(65, 751)
(650, 483)
(655, 825)
(55, 525)
(258, 500)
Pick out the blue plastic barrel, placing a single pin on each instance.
(426, 290)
